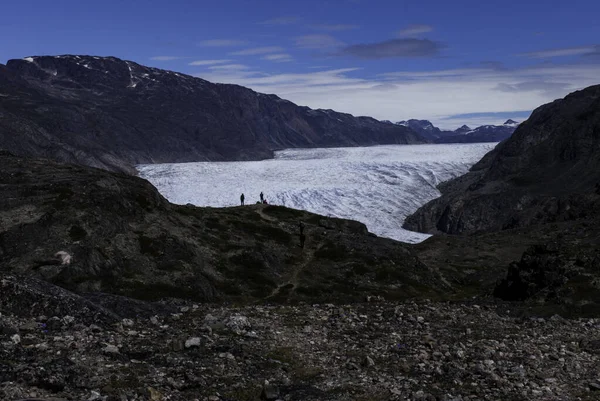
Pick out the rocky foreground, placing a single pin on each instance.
(368, 351)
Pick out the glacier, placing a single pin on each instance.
(378, 186)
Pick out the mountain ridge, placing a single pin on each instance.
(112, 113)
(549, 169)
(463, 134)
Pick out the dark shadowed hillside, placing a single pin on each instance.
(549, 170)
(126, 239)
(528, 212)
(109, 113)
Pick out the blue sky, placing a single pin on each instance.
(452, 62)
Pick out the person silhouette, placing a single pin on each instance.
(262, 197)
(242, 199)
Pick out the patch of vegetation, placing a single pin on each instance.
(150, 246)
(214, 223)
(360, 270)
(284, 355)
(264, 230)
(77, 233)
(244, 394)
(250, 260)
(388, 273)
(332, 251)
(282, 212)
(157, 291)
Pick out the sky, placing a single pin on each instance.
(451, 62)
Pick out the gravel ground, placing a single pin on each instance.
(369, 351)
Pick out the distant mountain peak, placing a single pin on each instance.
(511, 122)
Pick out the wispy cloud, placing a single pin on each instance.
(281, 21)
(416, 29)
(257, 50)
(209, 62)
(334, 27)
(531, 86)
(229, 67)
(166, 58)
(318, 42)
(409, 47)
(437, 95)
(563, 52)
(279, 58)
(222, 43)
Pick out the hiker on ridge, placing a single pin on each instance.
(242, 199)
(262, 197)
(302, 236)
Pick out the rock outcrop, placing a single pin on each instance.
(548, 171)
(109, 113)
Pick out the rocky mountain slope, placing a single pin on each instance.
(537, 193)
(110, 113)
(464, 134)
(122, 237)
(549, 170)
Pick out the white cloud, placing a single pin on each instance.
(257, 50)
(433, 95)
(166, 58)
(279, 58)
(208, 62)
(567, 51)
(222, 43)
(416, 29)
(318, 42)
(229, 67)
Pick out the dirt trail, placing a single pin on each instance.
(308, 256)
(262, 214)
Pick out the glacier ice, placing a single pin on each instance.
(378, 185)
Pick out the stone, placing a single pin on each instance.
(270, 392)
(16, 339)
(54, 324)
(154, 395)
(111, 349)
(192, 342)
(368, 362)
(127, 322)
(178, 344)
(238, 324)
(95, 396)
(7, 329)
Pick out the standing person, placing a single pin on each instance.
(242, 199)
(302, 236)
(261, 197)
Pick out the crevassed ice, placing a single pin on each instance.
(378, 185)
